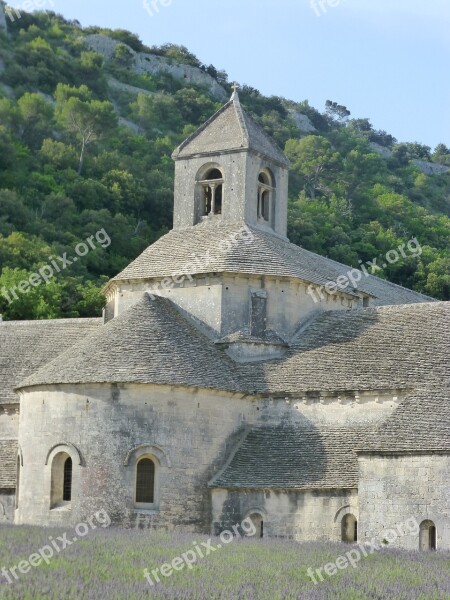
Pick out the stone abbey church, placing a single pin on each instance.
(218, 387)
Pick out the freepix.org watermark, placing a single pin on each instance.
(55, 265)
(371, 267)
(363, 550)
(200, 263)
(191, 557)
(320, 7)
(13, 13)
(57, 545)
(152, 7)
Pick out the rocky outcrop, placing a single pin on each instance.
(153, 65)
(125, 87)
(302, 121)
(381, 150)
(429, 168)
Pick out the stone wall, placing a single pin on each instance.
(192, 433)
(223, 302)
(9, 421)
(298, 515)
(7, 503)
(240, 191)
(394, 489)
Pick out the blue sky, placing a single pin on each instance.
(384, 59)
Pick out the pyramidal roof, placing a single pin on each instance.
(230, 130)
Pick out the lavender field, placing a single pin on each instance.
(109, 565)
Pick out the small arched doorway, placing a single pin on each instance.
(349, 529)
(258, 522)
(427, 536)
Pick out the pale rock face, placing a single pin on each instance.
(152, 64)
(302, 121)
(429, 168)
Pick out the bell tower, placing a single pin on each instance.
(230, 172)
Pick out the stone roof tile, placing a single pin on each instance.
(149, 343)
(390, 347)
(25, 346)
(248, 250)
(294, 457)
(8, 458)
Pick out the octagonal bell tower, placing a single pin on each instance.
(230, 172)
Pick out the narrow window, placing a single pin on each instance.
(62, 481)
(18, 481)
(145, 481)
(67, 484)
(258, 312)
(427, 536)
(265, 197)
(349, 529)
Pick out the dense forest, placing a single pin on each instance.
(79, 155)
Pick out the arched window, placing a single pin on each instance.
(258, 522)
(427, 536)
(145, 481)
(67, 484)
(349, 529)
(212, 192)
(265, 196)
(61, 485)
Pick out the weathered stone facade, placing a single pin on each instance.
(397, 487)
(218, 388)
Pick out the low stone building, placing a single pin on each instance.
(234, 374)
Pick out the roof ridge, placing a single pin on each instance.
(81, 320)
(241, 118)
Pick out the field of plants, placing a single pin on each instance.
(109, 564)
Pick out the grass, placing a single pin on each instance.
(109, 564)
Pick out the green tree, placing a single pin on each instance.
(123, 56)
(36, 115)
(337, 111)
(88, 119)
(314, 161)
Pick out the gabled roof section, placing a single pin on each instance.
(149, 343)
(25, 346)
(294, 457)
(230, 130)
